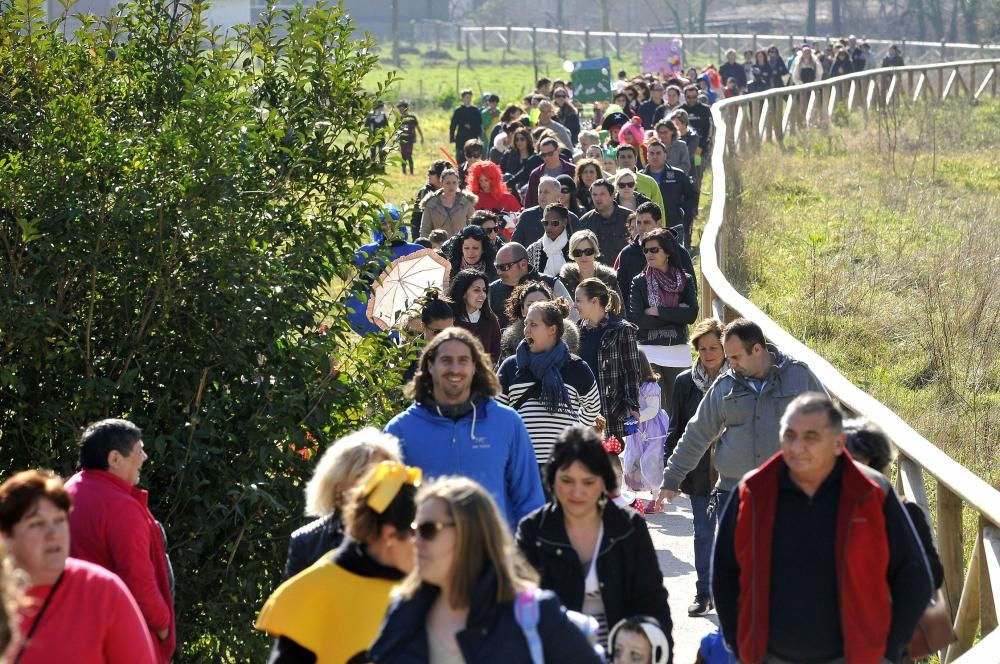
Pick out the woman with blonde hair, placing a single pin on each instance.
(585, 251)
(330, 612)
(459, 602)
(338, 470)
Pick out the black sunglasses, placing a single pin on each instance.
(627, 185)
(549, 153)
(650, 250)
(428, 530)
(503, 267)
(490, 230)
(589, 251)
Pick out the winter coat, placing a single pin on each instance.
(841, 67)
(679, 156)
(489, 445)
(487, 330)
(631, 262)
(640, 198)
(513, 335)
(627, 567)
(745, 423)
(570, 119)
(417, 215)
(111, 526)
(492, 634)
(778, 72)
(800, 70)
(311, 541)
(618, 370)
(435, 215)
(882, 581)
(570, 276)
(683, 404)
(531, 198)
(734, 70)
(670, 327)
(539, 259)
(511, 162)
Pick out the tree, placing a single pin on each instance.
(178, 215)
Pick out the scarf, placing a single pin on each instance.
(664, 288)
(554, 253)
(545, 367)
(699, 374)
(481, 266)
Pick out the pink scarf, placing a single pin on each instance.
(665, 288)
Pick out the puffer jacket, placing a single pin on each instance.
(436, 215)
(745, 423)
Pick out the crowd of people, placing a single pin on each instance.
(564, 371)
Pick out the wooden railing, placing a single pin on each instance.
(742, 123)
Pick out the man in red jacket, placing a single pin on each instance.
(815, 558)
(111, 525)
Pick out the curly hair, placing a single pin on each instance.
(491, 172)
(514, 306)
(462, 282)
(484, 382)
(470, 233)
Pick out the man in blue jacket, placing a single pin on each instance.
(455, 427)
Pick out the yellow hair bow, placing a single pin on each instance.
(388, 478)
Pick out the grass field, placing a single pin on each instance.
(878, 247)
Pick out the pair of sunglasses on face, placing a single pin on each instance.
(589, 251)
(429, 530)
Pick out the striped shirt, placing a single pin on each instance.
(545, 427)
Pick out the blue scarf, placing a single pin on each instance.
(545, 367)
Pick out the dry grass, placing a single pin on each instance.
(879, 246)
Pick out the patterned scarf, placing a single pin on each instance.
(481, 266)
(665, 288)
(699, 374)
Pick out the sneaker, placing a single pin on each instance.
(701, 606)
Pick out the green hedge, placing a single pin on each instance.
(178, 215)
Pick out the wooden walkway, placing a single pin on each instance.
(673, 536)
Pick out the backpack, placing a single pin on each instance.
(527, 612)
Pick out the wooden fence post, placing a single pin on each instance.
(718, 41)
(458, 37)
(683, 52)
(559, 42)
(618, 44)
(950, 549)
(754, 44)
(510, 38)
(468, 50)
(484, 38)
(534, 50)
(437, 36)
(586, 44)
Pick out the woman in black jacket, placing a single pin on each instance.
(338, 470)
(663, 299)
(459, 601)
(689, 388)
(598, 558)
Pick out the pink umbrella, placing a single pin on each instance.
(403, 282)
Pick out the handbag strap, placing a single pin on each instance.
(527, 614)
(38, 618)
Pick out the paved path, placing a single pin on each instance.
(673, 537)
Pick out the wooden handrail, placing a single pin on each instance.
(974, 591)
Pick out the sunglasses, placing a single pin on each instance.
(548, 154)
(651, 250)
(428, 530)
(562, 96)
(589, 251)
(627, 185)
(503, 267)
(489, 230)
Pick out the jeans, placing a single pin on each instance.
(704, 538)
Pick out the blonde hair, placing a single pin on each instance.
(343, 464)
(581, 236)
(482, 540)
(705, 326)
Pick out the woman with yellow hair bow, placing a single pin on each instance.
(329, 613)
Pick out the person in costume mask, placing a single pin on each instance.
(330, 612)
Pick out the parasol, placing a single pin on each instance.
(404, 281)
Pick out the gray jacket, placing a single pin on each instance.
(745, 423)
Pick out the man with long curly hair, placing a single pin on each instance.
(455, 426)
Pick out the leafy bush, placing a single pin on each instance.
(178, 214)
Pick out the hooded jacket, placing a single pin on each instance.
(489, 445)
(746, 423)
(492, 634)
(435, 215)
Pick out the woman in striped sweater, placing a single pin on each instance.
(549, 387)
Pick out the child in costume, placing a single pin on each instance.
(643, 458)
(638, 640)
